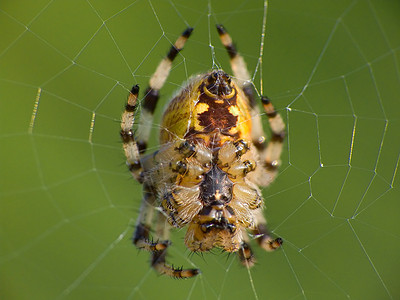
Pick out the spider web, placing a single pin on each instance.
(68, 204)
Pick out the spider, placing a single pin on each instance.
(213, 157)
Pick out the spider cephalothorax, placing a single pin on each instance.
(212, 160)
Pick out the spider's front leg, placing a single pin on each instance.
(158, 261)
(152, 94)
(270, 152)
(131, 149)
(134, 146)
(244, 80)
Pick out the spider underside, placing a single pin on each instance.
(213, 158)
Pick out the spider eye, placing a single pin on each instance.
(231, 227)
(212, 78)
(227, 78)
(206, 227)
(219, 84)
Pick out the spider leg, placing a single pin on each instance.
(245, 253)
(158, 257)
(263, 238)
(141, 237)
(156, 82)
(128, 138)
(243, 78)
(275, 144)
(262, 234)
(270, 152)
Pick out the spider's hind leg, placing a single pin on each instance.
(245, 253)
(141, 237)
(158, 261)
(263, 236)
(158, 247)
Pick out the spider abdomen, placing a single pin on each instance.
(211, 109)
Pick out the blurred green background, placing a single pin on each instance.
(68, 204)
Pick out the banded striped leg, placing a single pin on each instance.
(263, 235)
(129, 143)
(158, 257)
(263, 238)
(275, 144)
(246, 255)
(156, 82)
(271, 151)
(243, 78)
(158, 248)
(141, 237)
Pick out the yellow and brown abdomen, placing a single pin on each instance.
(211, 110)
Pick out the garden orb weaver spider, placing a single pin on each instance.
(212, 159)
